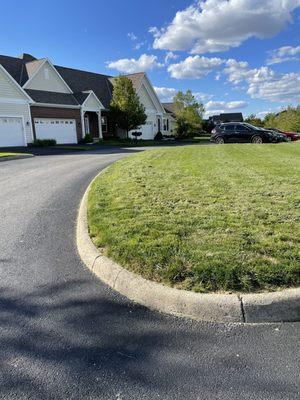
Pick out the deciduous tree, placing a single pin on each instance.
(127, 111)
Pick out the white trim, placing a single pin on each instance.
(100, 124)
(82, 123)
(30, 123)
(153, 94)
(54, 69)
(91, 93)
(8, 100)
(54, 105)
(23, 125)
(16, 84)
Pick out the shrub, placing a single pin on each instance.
(87, 139)
(158, 136)
(44, 142)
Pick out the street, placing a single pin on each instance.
(65, 335)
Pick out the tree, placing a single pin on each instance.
(252, 119)
(126, 110)
(188, 114)
(286, 120)
(270, 120)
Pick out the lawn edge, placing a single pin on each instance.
(282, 306)
(10, 158)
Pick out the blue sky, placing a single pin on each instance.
(235, 55)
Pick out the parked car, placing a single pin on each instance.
(242, 132)
(293, 136)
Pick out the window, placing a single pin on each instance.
(229, 127)
(242, 128)
(165, 124)
(104, 124)
(86, 125)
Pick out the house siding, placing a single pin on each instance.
(57, 113)
(52, 84)
(7, 89)
(146, 100)
(13, 103)
(92, 104)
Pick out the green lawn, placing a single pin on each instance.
(2, 155)
(203, 218)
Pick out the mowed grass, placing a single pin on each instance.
(3, 155)
(203, 218)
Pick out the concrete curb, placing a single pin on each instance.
(262, 307)
(2, 159)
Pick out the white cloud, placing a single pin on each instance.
(209, 113)
(143, 63)
(231, 105)
(282, 88)
(139, 45)
(285, 53)
(217, 25)
(170, 56)
(262, 114)
(263, 83)
(132, 36)
(195, 67)
(166, 94)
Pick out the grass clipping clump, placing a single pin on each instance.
(203, 218)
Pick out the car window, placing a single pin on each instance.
(242, 128)
(253, 127)
(229, 127)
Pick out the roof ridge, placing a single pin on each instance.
(81, 70)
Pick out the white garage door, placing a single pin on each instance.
(147, 131)
(62, 130)
(11, 132)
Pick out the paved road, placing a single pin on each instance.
(65, 335)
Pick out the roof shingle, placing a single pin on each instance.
(42, 96)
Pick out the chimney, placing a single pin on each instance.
(27, 57)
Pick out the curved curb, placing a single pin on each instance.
(263, 307)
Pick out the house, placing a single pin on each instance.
(226, 117)
(169, 119)
(39, 100)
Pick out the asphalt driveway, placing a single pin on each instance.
(65, 335)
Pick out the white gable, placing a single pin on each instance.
(9, 89)
(47, 78)
(92, 103)
(149, 97)
(145, 99)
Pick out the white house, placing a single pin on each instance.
(39, 100)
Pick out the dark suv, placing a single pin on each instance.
(241, 132)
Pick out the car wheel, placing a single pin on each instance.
(257, 140)
(220, 140)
